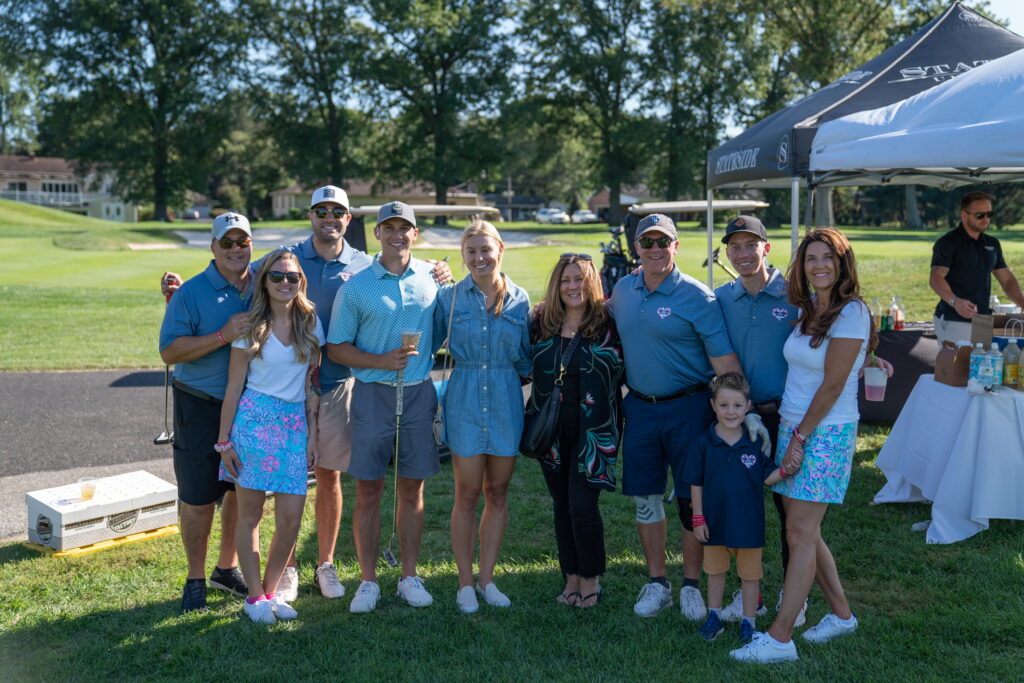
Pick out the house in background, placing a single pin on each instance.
(520, 207)
(368, 193)
(600, 201)
(53, 182)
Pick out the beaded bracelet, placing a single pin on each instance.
(699, 520)
(222, 446)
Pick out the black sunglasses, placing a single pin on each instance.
(648, 242)
(322, 212)
(983, 214)
(276, 276)
(578, 257)
(227, 242)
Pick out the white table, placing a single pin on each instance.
(964, 453)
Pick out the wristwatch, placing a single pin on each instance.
(952, 301)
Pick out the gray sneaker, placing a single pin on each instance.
(691, 603)
(652, 599)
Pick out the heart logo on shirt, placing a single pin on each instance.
(664, 312)
(344, 275)
(780, 313)
(748, 460)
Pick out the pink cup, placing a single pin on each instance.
(874, 384)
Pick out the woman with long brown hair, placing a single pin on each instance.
(264, 430)
(581, 463)
(817, 432)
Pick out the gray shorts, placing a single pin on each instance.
(373, 431)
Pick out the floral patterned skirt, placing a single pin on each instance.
(270, 439)
(824, 474)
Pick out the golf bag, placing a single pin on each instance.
(619, 260)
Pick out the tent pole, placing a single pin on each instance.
(809, 211)
(794, 214)
(711, 239)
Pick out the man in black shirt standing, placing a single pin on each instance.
(963, 261)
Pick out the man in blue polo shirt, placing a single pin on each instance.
(674, 341)
(202, 319)
(374, 316)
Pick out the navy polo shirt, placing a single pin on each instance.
(668, 334)
(200, 307)
(970, 262)
(732, 478)
(323, 279)
(758, 326)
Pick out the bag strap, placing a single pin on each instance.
(565, 358)
(448, 353)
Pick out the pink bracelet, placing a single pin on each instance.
(799, 437)
(699, 520)
(223, 341)
(222, 446)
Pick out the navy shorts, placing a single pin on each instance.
(656, 437)
(196, 464)
(373, 431)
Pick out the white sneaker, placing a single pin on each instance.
(288, 586)
(734, 610)
(763, 649)
(261, 611)
(493, 597)
(412, 590)
(652, 599)
(466, 600)
(691, 604)
(282, 610)
(801, 618)
(326, 577)
(830, 627)
(365, 599)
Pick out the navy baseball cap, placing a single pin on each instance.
(750, 224)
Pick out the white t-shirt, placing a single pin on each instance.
(807, 367)
(277, 373)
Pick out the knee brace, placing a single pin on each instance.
(649, 509)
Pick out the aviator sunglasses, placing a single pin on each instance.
(322, 212)
(227, 242)
(276, 276)
(578, 257)
(983, 214)
(648, 242)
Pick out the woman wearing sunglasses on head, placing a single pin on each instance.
(571, 324)
(485, 318)
(263, 431)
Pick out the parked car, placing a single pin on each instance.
(584, 216)
(552, 215)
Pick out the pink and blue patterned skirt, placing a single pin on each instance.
(270, 439)
(824, 474)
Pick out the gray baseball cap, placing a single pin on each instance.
(396, 210)
(229, 221)
(750, 224)
(656, 222)
(329, 193)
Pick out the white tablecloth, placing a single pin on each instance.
(964, 453)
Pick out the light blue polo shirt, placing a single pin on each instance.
(323, 279)
(758, 327)
(200, 307)
(668, 334)
(372, 309)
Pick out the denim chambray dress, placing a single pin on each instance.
(483, 403)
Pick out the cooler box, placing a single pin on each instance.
(124, 504)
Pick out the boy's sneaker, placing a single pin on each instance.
(288, 586)
(326, 577)
(712, 627)
(691, 603)
(734, 610)
(193, 596)
(763, 649)
(801, 618)
(229, 580)
(261, 611)
(746, 631)
(412, 590)
(653, 598)
(365, 599)
(830, 627)
(282, 610)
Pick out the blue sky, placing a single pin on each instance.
(1009, 9)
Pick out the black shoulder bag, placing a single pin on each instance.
(541, 428)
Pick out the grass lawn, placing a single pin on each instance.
(926, 612)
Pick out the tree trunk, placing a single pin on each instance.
(160, 181)
(441, 198)
(334, 131)
(913, 215)
(824, 217)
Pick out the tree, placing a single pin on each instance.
(587, 57)
(147, 77)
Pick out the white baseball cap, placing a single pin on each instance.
(329, 193)
(229, 221)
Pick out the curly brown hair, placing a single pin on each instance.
(846, 288)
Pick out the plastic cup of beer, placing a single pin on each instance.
(411, 337)
(874, 384)
(87, 487)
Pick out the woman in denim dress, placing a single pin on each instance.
(483, 403)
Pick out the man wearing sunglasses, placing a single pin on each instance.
(202, 319)
(963, 263)
(674, 341)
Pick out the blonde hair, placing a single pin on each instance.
(304, 338)
(485, 229)
(552, 313)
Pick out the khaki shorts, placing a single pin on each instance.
(748, 561)
(334, 428)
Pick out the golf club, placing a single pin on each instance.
(167, 436)
(389, 555)
(718, 262)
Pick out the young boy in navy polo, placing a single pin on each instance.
(727, 473)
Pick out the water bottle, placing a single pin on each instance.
(995, 356)
(901, 315)
(976, 357)
(876, 312)
(993, 301)
(985, 372)
(1011, 364)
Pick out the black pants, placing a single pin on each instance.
(579, 530)
(771, 423)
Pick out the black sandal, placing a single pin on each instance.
(597, 598)
(566, 599)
